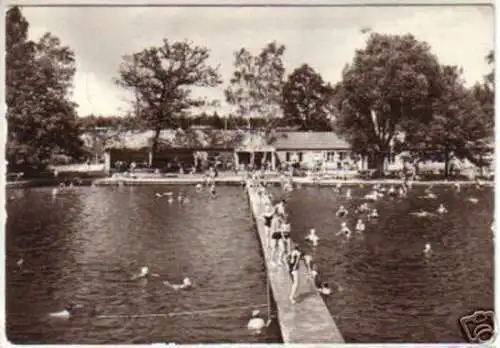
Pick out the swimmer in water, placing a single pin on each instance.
(19, 262)
(442, 209)
(342, 212)
(348, 194)
(199, 187)
(170, 200)
(427, 249)
(144, 273)
(186, 284)
(180, 197)
(457, 187)
(422, 213)
(344, 230)
(66, 313)
(360, 226)
(312, 237)
(213, 193)
(324, 289)
(374, 214)
(473, 200)
(256, 323)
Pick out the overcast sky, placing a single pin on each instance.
(325, 38)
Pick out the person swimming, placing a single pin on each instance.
(392, 191)
(312, 237)
(199, 187)
(427, 249)
(170, 200)
(442, 209)
(374, 214)
(360, 226)
(256, 323)
(457, 187)
(363, 208)
(66, 313)
(348, 194)
(144, 273)
(324, 289)
(186, 284)
(372, 196)
(213, 193)
(342, 212)
(344, 230)
(473, 200)
(422, 213)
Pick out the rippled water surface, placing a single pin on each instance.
(391, 292)
(83, 246)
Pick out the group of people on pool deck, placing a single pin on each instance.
(283, 251)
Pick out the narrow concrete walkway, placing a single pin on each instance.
(307, 321)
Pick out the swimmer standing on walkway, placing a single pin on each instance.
(293, 268)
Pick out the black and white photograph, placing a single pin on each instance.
(248, 173)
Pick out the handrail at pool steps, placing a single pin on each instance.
(308, 320)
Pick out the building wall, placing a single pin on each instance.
(332, 159)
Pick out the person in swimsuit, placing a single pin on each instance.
(268, 221)
(293, 268)
(285, 239)
(275, 236)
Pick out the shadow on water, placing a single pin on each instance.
(391, 291)
(84, 245)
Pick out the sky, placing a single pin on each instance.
(325, 38)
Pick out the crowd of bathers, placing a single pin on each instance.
(284, 253)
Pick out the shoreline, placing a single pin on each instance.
(231, 181)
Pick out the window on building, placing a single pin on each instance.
(299, 156)
(287, 157)
(342, 156)
(330, 156)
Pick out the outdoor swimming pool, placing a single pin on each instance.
(84, 245)
(390, 291)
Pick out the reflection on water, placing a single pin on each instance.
(84, 245)
(391, 292)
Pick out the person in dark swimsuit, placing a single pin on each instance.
(294, 259)
(268, 221)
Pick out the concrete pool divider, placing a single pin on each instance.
(307, 321)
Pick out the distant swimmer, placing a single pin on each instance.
(338, 187)
(363, 208)
(344, 230)
(372, 196)
(348, 194)
(402, 192)
(185, 200)
(422, 214)
(19, 262)
(199, 187)
(427, 249)
(66, 313)
(168, 193)
(158, 195)
(442, 209)
(180, 197)
(430, 195)
(170, 200)
(144, 273)
(256, 323)
(479, 183)
(186, 284)
(374, 214)
(473, 200)
(392, 191)
(324, 289)
(457, 187)
(312, 237)
(213, 193)
(55, 192)
(360, 226)
(342, 212)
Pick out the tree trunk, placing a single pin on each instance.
(154, 145)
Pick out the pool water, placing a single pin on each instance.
(387, 289)
(83, 246)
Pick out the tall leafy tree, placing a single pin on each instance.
(458, 128)
(485, 91)
(307, 100)
(162, 79)
(256, 85)
(387, 89)
(42, 121)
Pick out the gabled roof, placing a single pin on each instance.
(310, 141)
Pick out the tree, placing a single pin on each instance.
(161, 79)
(307, 100)
(387, 90)
(42, 121)
(458, 128)
(256, 86)
(484, 92)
